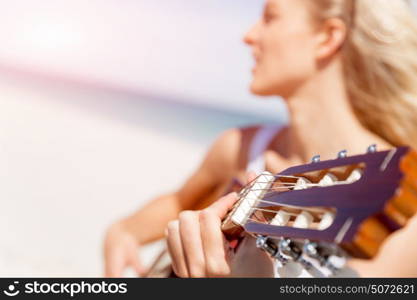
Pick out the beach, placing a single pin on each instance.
(75, 158)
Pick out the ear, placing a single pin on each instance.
(331, 37)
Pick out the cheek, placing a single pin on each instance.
(287, 62)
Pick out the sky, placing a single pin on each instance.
(185, 49)
(189, 49)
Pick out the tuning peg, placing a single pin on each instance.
(336, 263)
(312, 250)
(328, 256)
(287, 248)
(266, 244)
(294, 262)
(342, 154)
(315, 159)
(372, 148)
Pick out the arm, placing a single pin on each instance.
(216, 168)
(148, 224)
(397, 256)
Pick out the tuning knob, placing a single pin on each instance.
(315, 159)
(264, 243)
(342, 154)
(311, 249)
(372, 148)
(328, 257)
(288, 248)
(295, 263)
(270, 247)
(336, 263)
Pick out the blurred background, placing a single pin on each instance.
(105, 104)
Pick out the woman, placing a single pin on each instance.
(347, 70)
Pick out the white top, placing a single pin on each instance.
(256, 163)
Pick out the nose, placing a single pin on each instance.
(251, 36)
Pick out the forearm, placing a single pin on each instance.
(398, 265)
(149, 223)
(396, 257)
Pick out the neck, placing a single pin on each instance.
(322, 121)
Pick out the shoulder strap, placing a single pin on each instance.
(261, 140)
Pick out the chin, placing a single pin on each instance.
(260, 90)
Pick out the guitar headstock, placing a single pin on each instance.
(353, 203)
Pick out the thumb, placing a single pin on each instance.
(222, 206)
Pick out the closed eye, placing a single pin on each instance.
(269, 16)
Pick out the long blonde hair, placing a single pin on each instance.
(380, 64)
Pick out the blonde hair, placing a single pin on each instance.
(380, 64)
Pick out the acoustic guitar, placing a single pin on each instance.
(320, 214)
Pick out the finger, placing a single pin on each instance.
(213, 244)
(175, 249)
(114, 266)
(114, 262)
(135, 263)
(191, 243)
(221, 207)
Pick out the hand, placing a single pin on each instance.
(196, 243)
(121, 251)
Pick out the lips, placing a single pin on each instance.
(257, 60)
(256, 65)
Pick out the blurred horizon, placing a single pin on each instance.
(76, 157)
(187, 50)
(105, 105)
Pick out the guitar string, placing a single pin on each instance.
(292, 184)
(277, 176)
(272, 211)
(270, 190)
(280, 184)
(254, 209)
(317, 212)
(277, 186)
(285, 187)
(310, 209)
(255, 180)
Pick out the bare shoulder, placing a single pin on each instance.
(228, 152)
(220, 165)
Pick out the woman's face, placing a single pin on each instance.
(283, 46)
